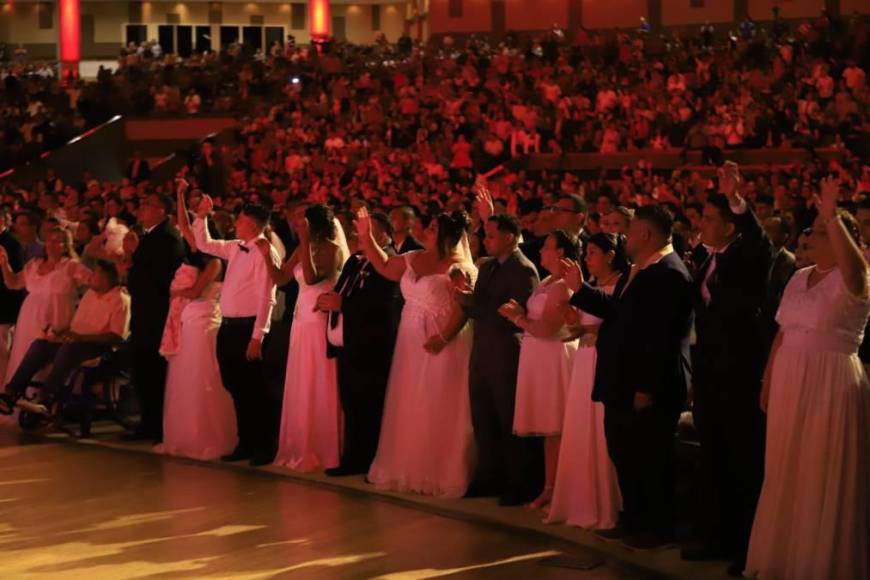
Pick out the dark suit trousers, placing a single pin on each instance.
(731, 431)
(149, 378)
(245, 380)
(362, 389)
(641, 446)
(66, 359)
(506, 463)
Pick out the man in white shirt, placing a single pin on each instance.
(247, 299)
(101, 321)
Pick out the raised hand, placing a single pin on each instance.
(572, 274)
(829, 196)
(483, 201)
(181, 185)
(363, 223)
(729, 180)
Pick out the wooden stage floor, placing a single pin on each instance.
(85, 511)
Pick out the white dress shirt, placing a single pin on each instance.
(247, 289)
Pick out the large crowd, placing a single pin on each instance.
(460, 325)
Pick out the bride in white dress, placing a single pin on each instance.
(427, 443)
(199, 420)
(310, 438)
(587, 491)
(813, 516)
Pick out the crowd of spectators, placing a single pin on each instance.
(479, 102)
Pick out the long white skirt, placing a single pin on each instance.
(427, 442)
(813, 517)
(587, 491)
(199, 417)
(310, 438)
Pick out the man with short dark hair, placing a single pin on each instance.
(25, 227)
(155, 261)
(643, 372)
(247, 299)
(363, 311)
(729, 357)
(508, 466)
(402, 222)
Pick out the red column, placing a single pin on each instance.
(69, 39)
(318, 18)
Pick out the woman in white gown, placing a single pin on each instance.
(52, 285)
(198, 415)
(587, 491)
(426, 443)
(310, 437)
(813, 516)
(546, 355)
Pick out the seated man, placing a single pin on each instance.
(101, 321)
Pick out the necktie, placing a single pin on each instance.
(705, 286)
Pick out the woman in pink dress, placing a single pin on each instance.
(52, 285)
(310, 438)
(813, 516)
(545, 357)
(199, 420)
(587, 491)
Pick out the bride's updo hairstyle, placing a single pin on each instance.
(451, 227)
(321, 222)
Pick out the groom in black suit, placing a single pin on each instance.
(643, 372)
(729, 358)
(509, 466)
(155, 261)
(361, 336)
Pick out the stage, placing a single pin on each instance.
(73, 510)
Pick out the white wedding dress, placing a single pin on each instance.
(427, 442)
(813, 516)
(310, 437)
(199, 419)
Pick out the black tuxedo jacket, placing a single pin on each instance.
(730, 347)
(10, 300)
(643, 342)
(369, 304)
(154, 264)
(409, 245)
(496, 340)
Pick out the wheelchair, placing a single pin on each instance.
(98, 389)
